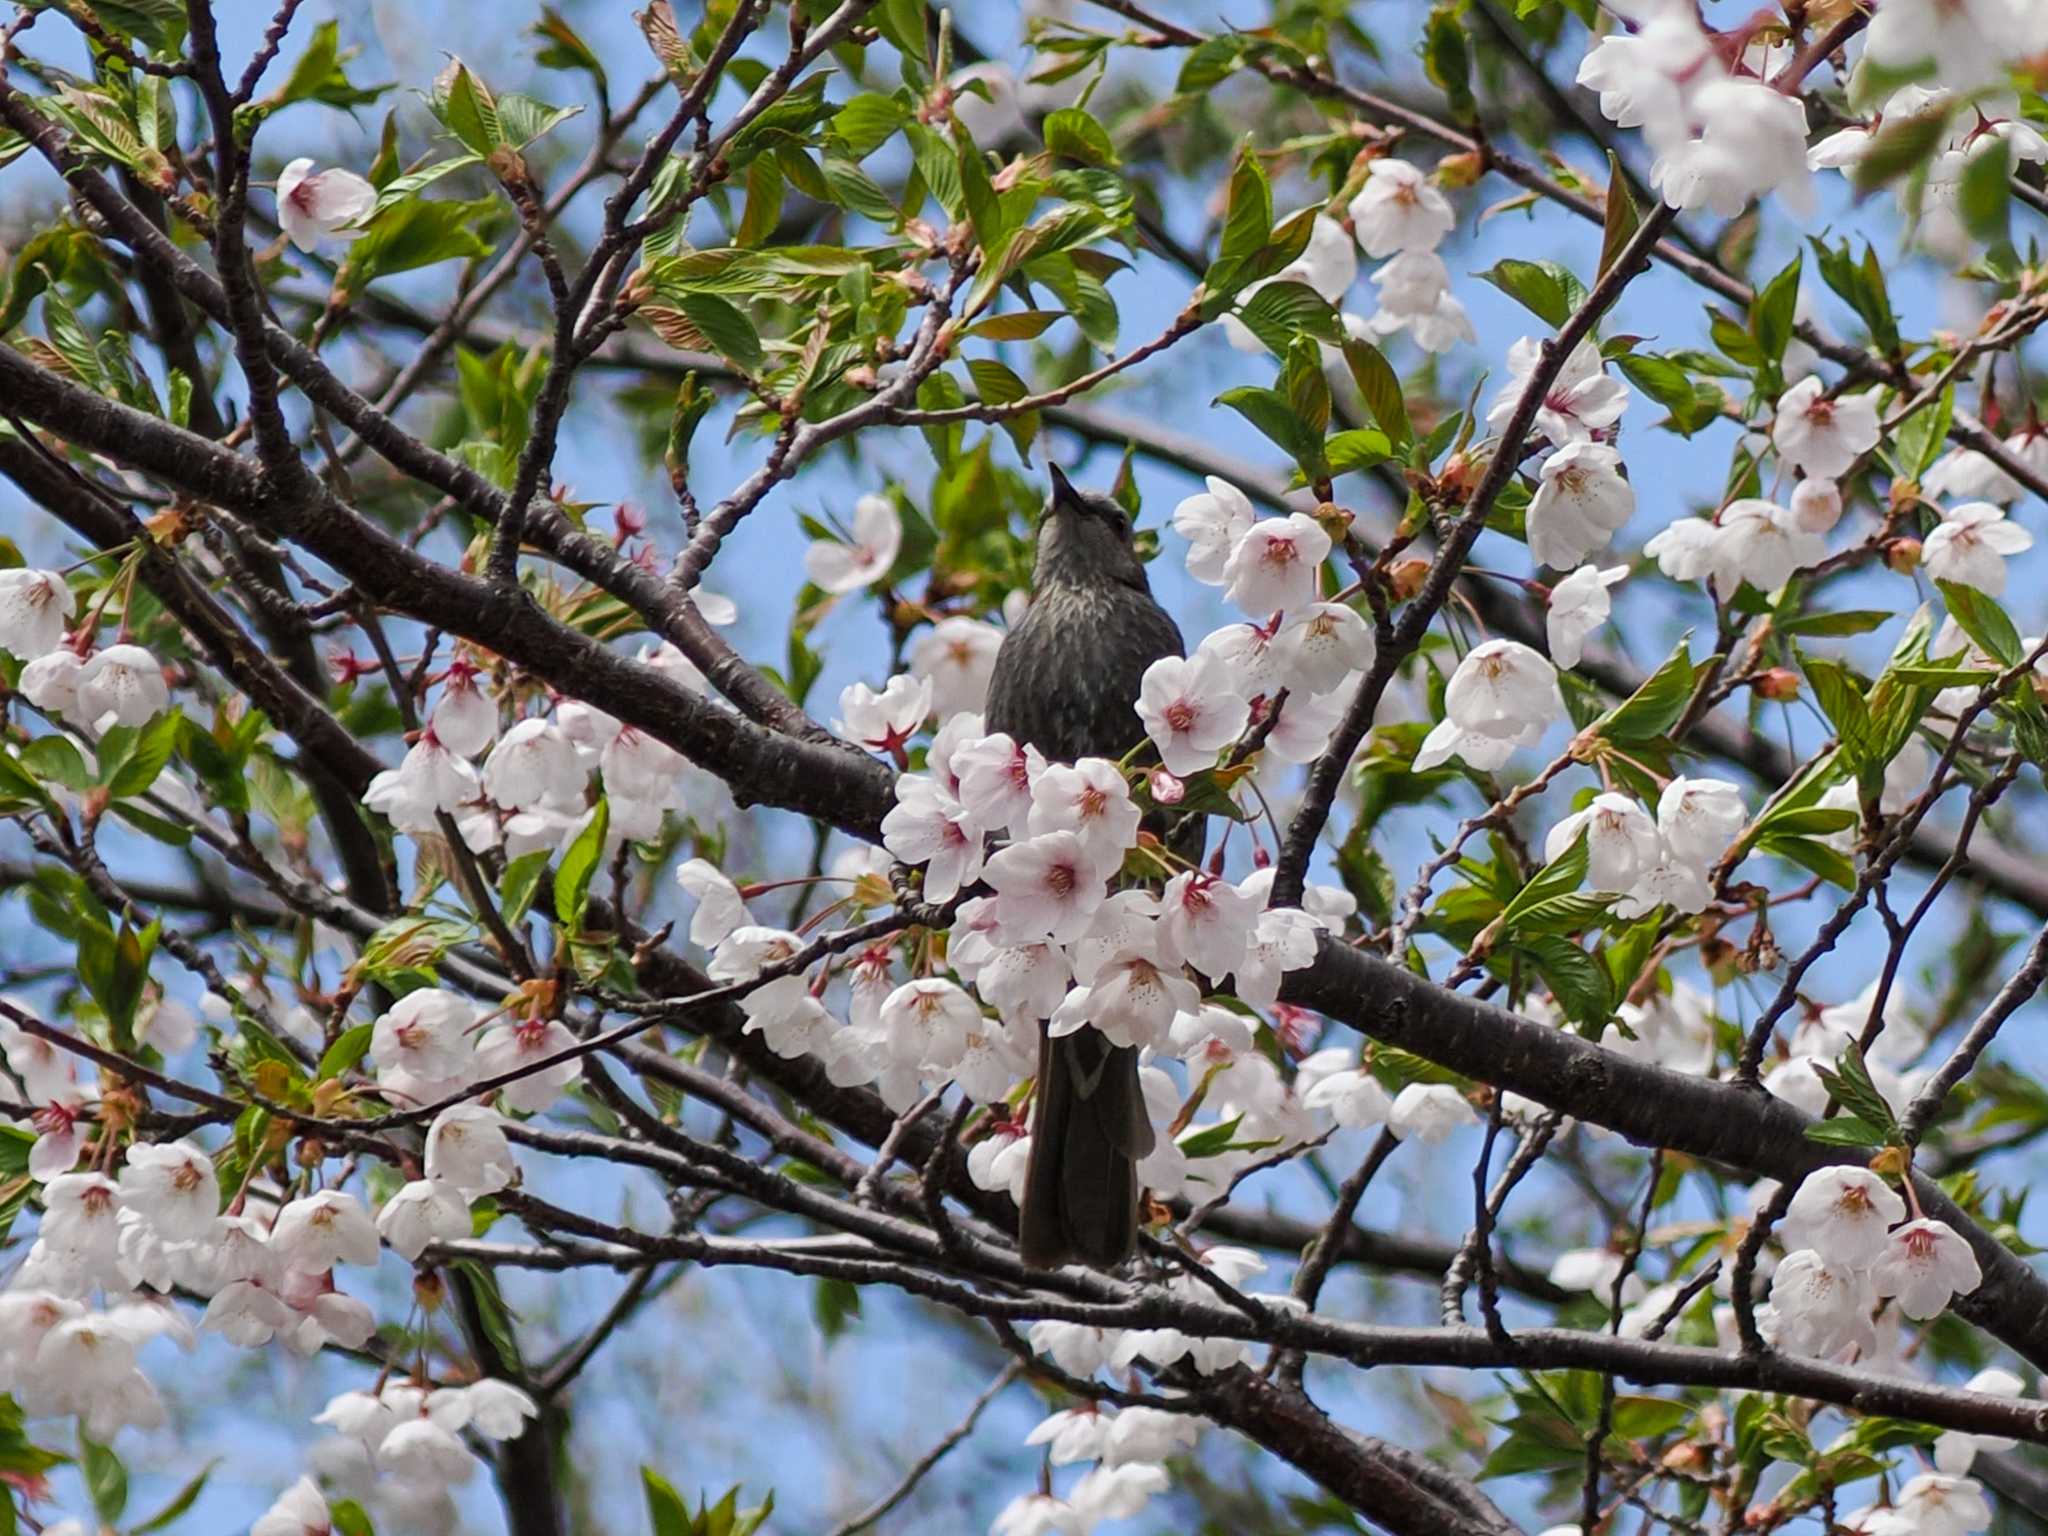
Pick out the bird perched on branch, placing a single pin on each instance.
(1066, 682)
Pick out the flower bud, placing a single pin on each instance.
(1902, 555)
(1454, 171)
(1407, 577)
(1166, 789)
(1777, 683)
(1816, 505)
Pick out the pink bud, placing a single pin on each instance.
(1166, 789)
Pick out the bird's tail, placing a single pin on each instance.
(1089, 1130)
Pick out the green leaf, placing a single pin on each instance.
(319, 75)
(1902, 145)
(350, 1518)
(1852, 621)
(1210, 62)
(1016, 325)
(995, 383)
(1281, 310)
(1656, 705)
(349, 1048)
(416, 234)
(1072, 133)
(667, 1514)
(1535, 286)
(180, 1502)
(144, 759)
(1447, 60)
(106, 1479)
(731, 333)
(1622, 219)
(562, 47)
(1985, 195)
(1381, 389)
(1360, 448)
(1273, 415)
(1987, 625)
(465, 105)
(521, 883)
(1842, 702)
(1852, 1088)
(578, 867)
(1845, 1131)
(1771, 316)
(868, 122)
(1248, 214)
(1922, 435)
(1560, 877)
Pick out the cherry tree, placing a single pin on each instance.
(508, 540)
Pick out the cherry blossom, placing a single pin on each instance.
(533, 762)
(1969, 546)
(122, 685)
(1324, 644)
(466, 1147)
(956, 656)
(1399, 210)
(1761, 543)
(1213, 522)
(1089, 799)
(1415, 297)
(1933, 1504)
(1967, 42)
(425, 1034)
(1354, 1098)
(1955, 1450)
(883, 722)
(1578, 605)
(1842, 1213)
(50, 682)
(519, 1047)
(1581, 502)
(1283, 940)
(1824, 434)
(175, 1184)
(1816, 505)
(996, 778)
(299, 1511)
(319, 1231)
(1580, 401)
(1925, 1264)
(1818, 1308)
(877, 536)
(1428, 1112)
(928, 826)
(313, 206)
(1502, 696)
(1047, 887)
(35, 606)
(425, 1211)
(720, 907)
(1276, 564)
(1699, 818)
(1189, 710)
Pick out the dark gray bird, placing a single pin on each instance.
(1066, 682)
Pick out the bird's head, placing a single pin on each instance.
(1085, 536)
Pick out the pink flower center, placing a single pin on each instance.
(1060, 879)
(1181, 715)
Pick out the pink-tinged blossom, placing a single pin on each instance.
(745, 952)
(1213, 521)
(1578, 605)
(313, 206)
(1276, 564)
(1502, 696)
(122, 685)
(1581, 502)
(1622, 843)
(928, 826)
(299, 1511)
(1699, 818)
(1324, 645)
(1283, 940)
(1190, 711)
(1970, 544)
(789, 1017)
(1934, 1504)
(1816, 505)
(1925, 1264)
(465, 717)
(174, 1185)
(495, 1409)
(1818, 1308)
(1580, 401)
(422, 1213)
(720, 907)
(1025, 982)
(319, 1231)
(1428, 1112)
(434, 778)
(1842, 1213)
(1762, 543)
(518, 1046)
(1399, 210)
(466, 1147)
(838, 568)
(1353, 1098)
(883, 722)
(50, 682)
(533, 762)
(1047, 887)
(926, 1023)
(636, 767)
(35, 606)
(1089, 799)
(996, 775)
(426, 1034)
(1128, 922)
(1206, 922)
(1132, 1000)
(1824, 434)
(957, 656)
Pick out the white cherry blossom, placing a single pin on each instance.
(1578, 605)
(424, 1212)
(1761, 543)
(122, 685)
(1925, 1264)
(1416, 297)
(466, 1147)
(720, 907)
(1399, 210)
(1189, 711)
(1699, 818)
(1581, 400)
(1970, 544)
(35, 606)
(1818, 1308)
(1581, 502)
(1213, 521)
(313, 206)
(883, 722)
(532, 762)
(1428, 1112)
(1089, 799)
(1502, 696)
(1276, 564)
(519, 1046)
(956, 656)
(1824, 434)
(877, 536)
(1622, 842)
(1842, 1213)
(1047, 887)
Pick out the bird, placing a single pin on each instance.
(1066, 681)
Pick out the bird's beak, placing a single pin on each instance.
(1063, 492)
